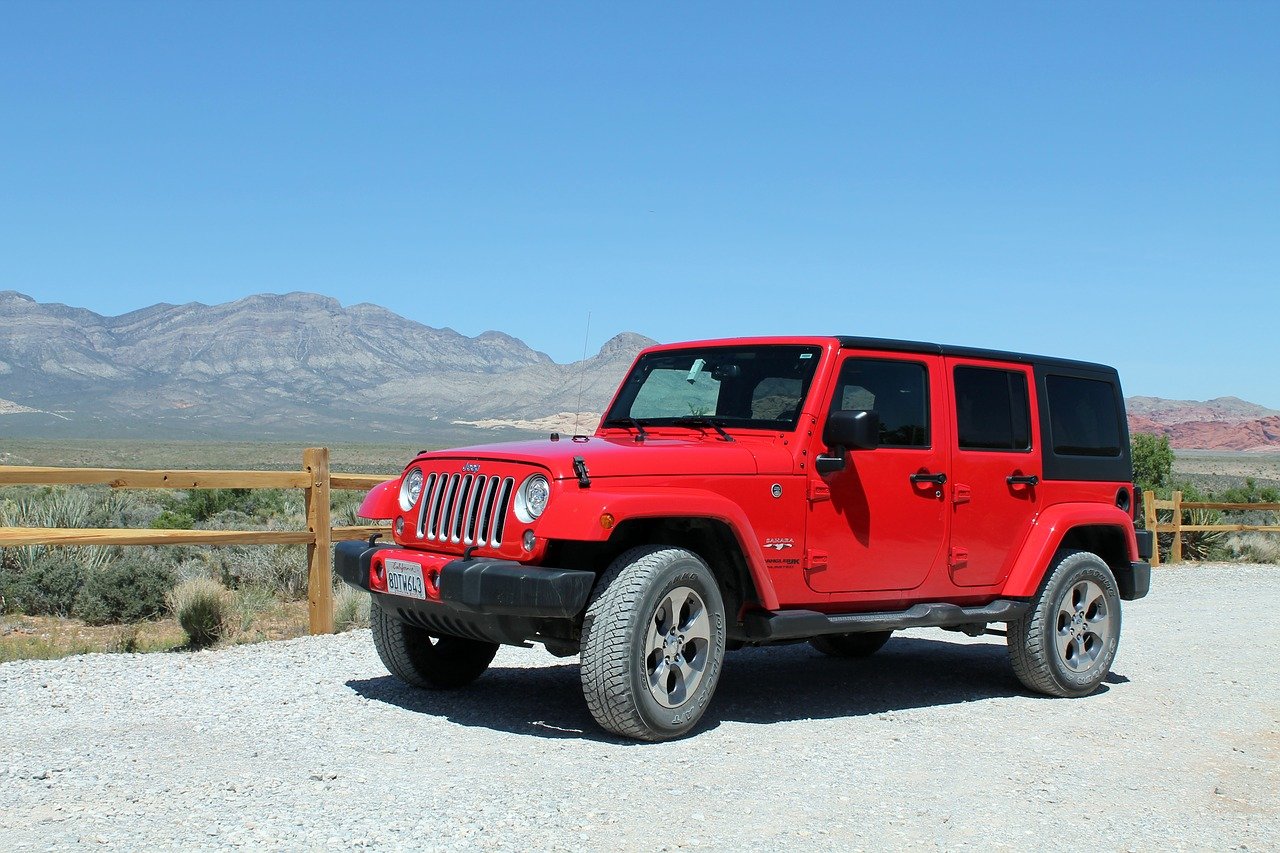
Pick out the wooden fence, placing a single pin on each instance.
(315, 481)
(1177, 506)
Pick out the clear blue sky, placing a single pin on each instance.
(1095, 180)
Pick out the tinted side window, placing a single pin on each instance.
(992, 411)
(898, 391)
(1083, 417)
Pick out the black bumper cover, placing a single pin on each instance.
(1134, 582)
(480, 586)
(1146, 544)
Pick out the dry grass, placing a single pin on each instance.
(1254, 547)
(350, 608)
(49, 637)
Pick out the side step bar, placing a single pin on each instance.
(800, 624)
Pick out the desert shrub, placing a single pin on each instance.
(1249, 493)
(247, 604)
(350, 608)
(51, 507)
(171, 520)
(1152, 460)
(47, 586)
(203, 609)
(203, 504)
(128, 508)
(1203, 544)
(132, 588)
(126, 642)
(1196, 544)
(1254, 547)
(197, 506)
(60, 507)
(282, 568)
(345, 509)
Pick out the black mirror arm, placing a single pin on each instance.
(831, 462)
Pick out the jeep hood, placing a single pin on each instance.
(625, 457)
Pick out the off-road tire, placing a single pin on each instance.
(423, 660)
(1055, 654)
(622, 643)
(851, 645)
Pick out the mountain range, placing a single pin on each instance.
(297, 366)
(300, 366)
(1224, 423)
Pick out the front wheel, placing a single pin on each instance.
(652, 643)
(1064, 645)
(423, 660)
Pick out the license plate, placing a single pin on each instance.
(405, 578)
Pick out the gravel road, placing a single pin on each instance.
(310, 744)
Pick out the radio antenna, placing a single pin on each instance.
(582, 369)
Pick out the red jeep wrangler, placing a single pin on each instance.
(756, 491)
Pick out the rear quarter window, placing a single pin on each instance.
(1083, 418)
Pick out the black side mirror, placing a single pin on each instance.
(858, 429)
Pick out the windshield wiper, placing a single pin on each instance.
(699, 421)
(641, 435)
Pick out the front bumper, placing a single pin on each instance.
(495, 600)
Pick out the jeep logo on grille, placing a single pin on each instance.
(471, 468)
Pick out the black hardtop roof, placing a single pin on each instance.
(891, 345)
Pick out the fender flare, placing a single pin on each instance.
(383, 501)
(1050, 528)
(576, 516)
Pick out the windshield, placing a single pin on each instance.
(758, 387)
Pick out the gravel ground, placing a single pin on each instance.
(310, 744)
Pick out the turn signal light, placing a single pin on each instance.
(607, 520)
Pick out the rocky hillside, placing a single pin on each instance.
(291, 366)
(1224, 423)
(303, 367)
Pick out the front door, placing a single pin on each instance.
(881, 523)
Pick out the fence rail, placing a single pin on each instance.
(1177, 506)
(315, 481)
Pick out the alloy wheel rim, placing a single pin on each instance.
(677, 647)
(1083, 626)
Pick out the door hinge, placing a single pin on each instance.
(818, 491)
(961, 494)
(959, 558)
(815, 561)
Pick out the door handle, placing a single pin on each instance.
(1022, 480)
(936, 479)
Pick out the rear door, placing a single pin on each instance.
(995, 468)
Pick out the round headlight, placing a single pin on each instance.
(532, 498)
(410, 489)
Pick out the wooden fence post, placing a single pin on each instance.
(1175, 553)
(315, 461)
(1149, 510)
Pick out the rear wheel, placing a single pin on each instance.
(423, 660)
(652, 643)
(851, 645)
(1065, 644)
